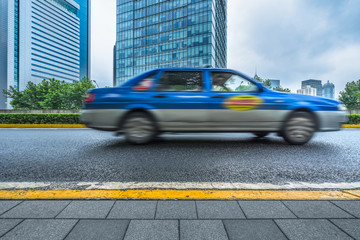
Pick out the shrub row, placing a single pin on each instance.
(39, 118)
(73, 118)
(354, 119)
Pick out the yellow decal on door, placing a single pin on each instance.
(243, 102)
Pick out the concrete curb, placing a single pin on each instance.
(351, 126)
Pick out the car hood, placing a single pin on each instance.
(307, 98)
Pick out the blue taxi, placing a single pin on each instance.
(207, 100)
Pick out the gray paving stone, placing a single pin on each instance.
(6, 205)
(353, 207)
(176, 210)
(202, 229)
(133, 210)
(316, 209)
(87, 209)
(7, 224)
(253, 229)
(265, 209)
(350, 226)
(152, 229)
(219, 210)
(99, 229)
(303, 229)
(38, 229)
(36, 209)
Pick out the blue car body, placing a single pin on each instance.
(206, 110)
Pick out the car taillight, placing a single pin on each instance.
(89, 98)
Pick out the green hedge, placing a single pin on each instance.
(39, 118)
(354, 119)
(73, 118)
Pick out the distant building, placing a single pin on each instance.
(42, 39)
(179, 33)
(314, 84)
(329, 90)
(307, 90)
(274, 83)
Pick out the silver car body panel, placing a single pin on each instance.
(226, 120)
(331, 120)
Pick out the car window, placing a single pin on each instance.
(146, 83)
(179, 81)
(229, 82)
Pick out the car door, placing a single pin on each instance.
(179, 100)
(237, 104)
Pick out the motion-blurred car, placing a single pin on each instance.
(207, 100)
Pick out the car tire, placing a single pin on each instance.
(299, 128)
(139, 128)
(261, 134)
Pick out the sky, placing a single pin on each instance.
(289, 40)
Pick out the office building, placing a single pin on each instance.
(328, 90)
(307, 90)
(84, 14)
(178, 33)
(314, 84)
(42, 39)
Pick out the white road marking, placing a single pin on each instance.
(176, 185)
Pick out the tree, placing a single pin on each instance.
(281, 89)
(50, 94)
(351, 95)
(267, 83)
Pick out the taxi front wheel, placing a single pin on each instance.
(299, 128)
(139, 128)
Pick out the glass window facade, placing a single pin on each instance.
(162, 33)
(84, 15)
(16, 44)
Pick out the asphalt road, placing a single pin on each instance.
(50, 155)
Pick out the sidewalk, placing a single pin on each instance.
(141, 219)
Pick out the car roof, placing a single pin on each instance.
(139, 77)
(192, 69)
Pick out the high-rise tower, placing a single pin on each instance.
(42, 39)
(176, 33)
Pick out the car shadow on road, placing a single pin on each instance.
(176, 142)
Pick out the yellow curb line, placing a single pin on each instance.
(181, 194)
(351, 125)
(42, 126)
(83, 126)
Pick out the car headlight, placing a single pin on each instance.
(341, 107)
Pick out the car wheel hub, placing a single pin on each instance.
(300, 128)
(138, 128)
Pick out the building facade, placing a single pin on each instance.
(307, 90)
(314, 84)
(85, 37)
(328, 90)
(40, 39)
(178, 33)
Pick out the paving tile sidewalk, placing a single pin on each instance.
(141, 219)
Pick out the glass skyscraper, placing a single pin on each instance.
(42, 39)
(169, 33)
(84, 16)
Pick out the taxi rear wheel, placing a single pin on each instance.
(299, 128)
(139, 128)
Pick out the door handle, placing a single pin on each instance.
(218, 96)
(160, 96)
